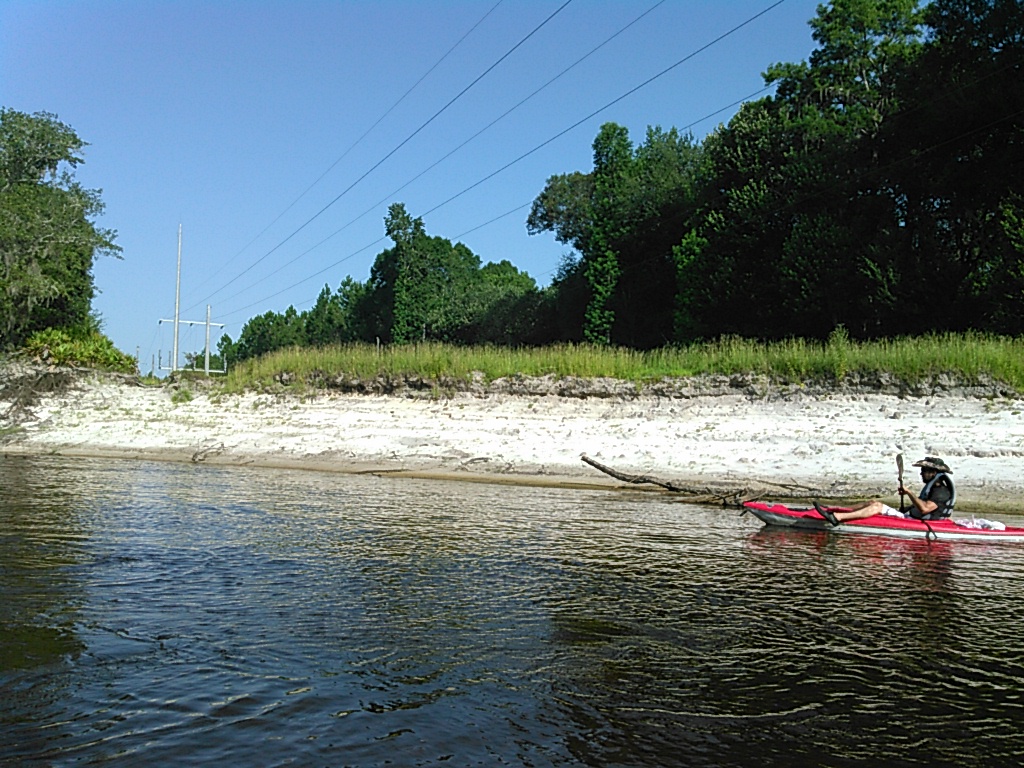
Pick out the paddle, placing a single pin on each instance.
(899, 466)
(931, 535)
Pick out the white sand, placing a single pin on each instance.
(838, 447)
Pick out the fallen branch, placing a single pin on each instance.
(635, 479)
(724, 497)
(205, 452)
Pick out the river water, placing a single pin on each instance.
(171, 614)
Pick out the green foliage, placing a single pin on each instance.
(413, 300)
(564, 207)
(838, 350)
(79, 347)
(265, 333)
(196, 362)
(613, 168)
(502, 306)
(227, 351)
(422, 289)
(1012, 211)
(47, 238)
(325, 322)
(849, 87)
(602, 271)
(961, 140)
(876, 191)
(687, 255)
(181, 396)
(623, 219)
(436, 286)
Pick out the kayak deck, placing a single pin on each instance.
(879, 525)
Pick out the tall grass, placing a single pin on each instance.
(969, 357)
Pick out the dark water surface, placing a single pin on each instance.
(160, 614)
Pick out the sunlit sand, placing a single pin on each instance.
(800, 445)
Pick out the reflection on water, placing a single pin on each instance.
(187, 614)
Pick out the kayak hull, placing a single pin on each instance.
(879, 525)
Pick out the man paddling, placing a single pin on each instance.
(935, 501)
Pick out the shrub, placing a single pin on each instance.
(86, 348)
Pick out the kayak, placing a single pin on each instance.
(884, 525)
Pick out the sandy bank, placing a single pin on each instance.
(827, 445)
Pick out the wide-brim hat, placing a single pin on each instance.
(933, 462)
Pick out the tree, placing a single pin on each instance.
(327, 321)
(412, 295)
(661, 206)
(565, 208)
(376, 311)
(351, 300)
(960, 148)
(228, 351)
(341, 317)
(798, 211)
(432, 282)
(500, 306)
(48, 240)
(622, 219)
(266, 333)
(613, 166)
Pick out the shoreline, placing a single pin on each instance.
(837, 447)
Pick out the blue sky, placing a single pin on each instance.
(277, 132)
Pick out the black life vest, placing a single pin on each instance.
(943, 510)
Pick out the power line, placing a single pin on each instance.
(650, 260)
(306, 279)
(345, 154)
(473, 229)
(426, 170)
(499, 217)
(598, 111)
(788, 204)
(400, 145)
(508, 165)
(796, 203)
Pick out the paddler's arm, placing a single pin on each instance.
(924, 507)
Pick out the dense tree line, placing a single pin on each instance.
(879, 189)
(48, 240)
(422, 289)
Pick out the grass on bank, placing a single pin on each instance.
(968, 357)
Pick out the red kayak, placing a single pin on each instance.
(883, 525)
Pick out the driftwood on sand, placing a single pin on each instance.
(724, 496)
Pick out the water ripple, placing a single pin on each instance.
(185, 615)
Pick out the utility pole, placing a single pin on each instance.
(178, 321)
(177, 305)
(206, 367)
(208, 324)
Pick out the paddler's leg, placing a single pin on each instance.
(860, 511)
(857, 512)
